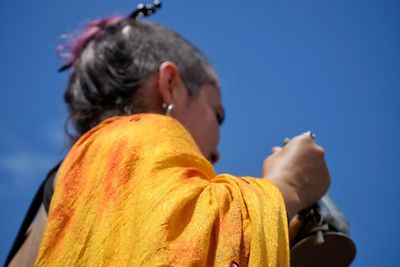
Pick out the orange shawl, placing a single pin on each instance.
(136, 191)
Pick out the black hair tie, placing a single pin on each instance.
(145, 10)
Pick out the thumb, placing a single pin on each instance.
(276, 149)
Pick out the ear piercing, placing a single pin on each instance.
(169, 108)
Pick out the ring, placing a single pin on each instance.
(311, 134)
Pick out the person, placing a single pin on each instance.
(137, 187)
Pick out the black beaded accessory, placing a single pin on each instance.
(145, 10)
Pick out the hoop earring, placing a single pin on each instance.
(169, 108)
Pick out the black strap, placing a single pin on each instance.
(48, 189)
(42, 196)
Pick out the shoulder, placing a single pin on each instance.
(143, 130)
(146, 123)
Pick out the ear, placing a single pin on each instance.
(168, 81)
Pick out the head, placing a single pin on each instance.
(122, 66)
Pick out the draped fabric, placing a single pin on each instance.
(136, 191)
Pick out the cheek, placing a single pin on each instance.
(209, 132)
(203, 127)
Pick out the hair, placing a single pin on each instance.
(110, 61)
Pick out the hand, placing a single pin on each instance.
(300, 172)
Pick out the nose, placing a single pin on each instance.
(214, 157)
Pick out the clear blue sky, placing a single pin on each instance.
(285, 67)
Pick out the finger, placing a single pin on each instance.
(310, 134)
(304, 137)
(276, 149)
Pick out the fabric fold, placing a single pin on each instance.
(136, 191)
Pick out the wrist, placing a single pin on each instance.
(290, 197)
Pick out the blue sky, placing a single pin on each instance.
(285, 67)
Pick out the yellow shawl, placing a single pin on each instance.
(136, 191)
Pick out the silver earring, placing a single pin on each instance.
(169, 108)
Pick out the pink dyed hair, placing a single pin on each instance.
(71, 51)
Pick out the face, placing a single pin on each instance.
(202, 116)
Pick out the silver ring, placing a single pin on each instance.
(311, 134)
